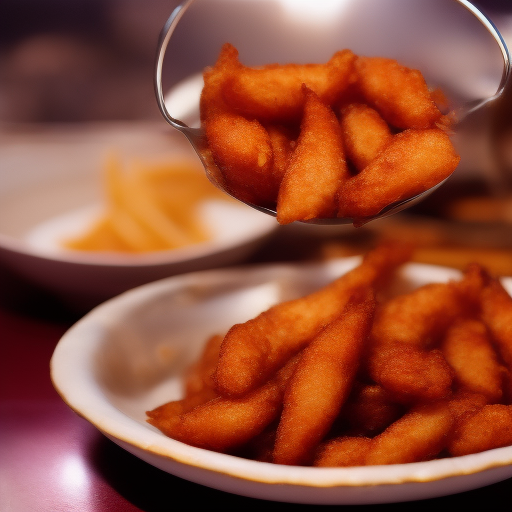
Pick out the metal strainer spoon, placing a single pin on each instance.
(452, 42)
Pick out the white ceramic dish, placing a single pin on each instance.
(127, 356)
(50, 182)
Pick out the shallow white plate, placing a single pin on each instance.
(127, 356)
(51, 187)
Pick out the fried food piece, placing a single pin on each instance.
(410, 374)
(251, 351)
(243, 152)
(399, 93)
(421, 317)
(199, 376)
(497, 315)
(468, 350)
(413, 162)
(322, 382)
(490, 427)
(273, 93)
(317, 167)
(369, 411)
(283, 141)
(223, 424)
(419, 435)
(343, 451)
(211, 102)
(365, 134)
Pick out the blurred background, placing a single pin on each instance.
(86, 63)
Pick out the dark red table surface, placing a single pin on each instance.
(52, 460)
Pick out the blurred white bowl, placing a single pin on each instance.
(50, 184)
(128, 356)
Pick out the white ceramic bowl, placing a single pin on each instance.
(127, 356)
(50, 181)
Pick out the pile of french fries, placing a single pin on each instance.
(150, 206)
(355, 375)
(342, 139)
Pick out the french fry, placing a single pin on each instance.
(317, 166)
(322, 382)
(251, 351)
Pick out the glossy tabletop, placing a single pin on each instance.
(52, 460)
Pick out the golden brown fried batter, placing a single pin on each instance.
(322, 382)
(273, 93)
(399, 93)
(413, 162)
(343, 451)
(365, 134)
(253, 350)
(490, 427)
(317, 166)
(468, 350)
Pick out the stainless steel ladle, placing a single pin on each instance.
(452, 42)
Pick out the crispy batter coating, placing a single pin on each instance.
(419, 435)
(490, 427)
(283, 140)
(243, 152)
(497, 315)
(369, 410)
(365, 134)
(468, 350)
(421, 317)
(410, 374)
(322, 382)
(211, 102)
(343, 451)
(273, 93)
(399, 93)
(251, 351)
(413, 162)
(317, 166)
(223, 424)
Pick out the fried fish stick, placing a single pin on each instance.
(419, 435)
(322, 382)
(223, 424)
(317, 167)
(199, 376)
(421, 317)
(273, 93)
(343, 451)
(497, 315)
(242, 150)
(211, 102)
(369, 411)
(410, 374)
(490, 427)
(414, 161)
(399, 93)
(365, 134)
(251, 351)
(468, 350)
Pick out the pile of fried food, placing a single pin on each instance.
(150, 206)
(342, 139)
(355, 375)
